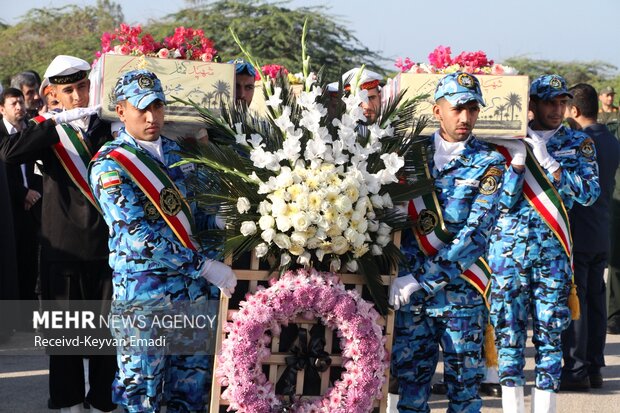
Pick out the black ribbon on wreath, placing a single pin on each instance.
(309, 355)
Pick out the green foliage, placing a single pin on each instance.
(271, 33)
(596, 73)
(45, 33)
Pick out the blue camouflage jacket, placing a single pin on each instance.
(469, 214)
(140, 242)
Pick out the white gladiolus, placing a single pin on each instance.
(319, 254)
(376, 250)
(243, 205)
(384, 229)
(334, 265)
(387, 201)
(264, 207)
(304, 259)
(383, 240)
(373, 225)
(248, 228)
(377, 201)
(261, 249)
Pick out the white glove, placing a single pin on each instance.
(220, 275)
(539, 148)
(515, 147)
(75, 114)
(401, 290)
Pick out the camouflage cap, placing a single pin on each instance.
(607, 90)
(140, 88)
(459, 88)
(243, 67)
(546, 87)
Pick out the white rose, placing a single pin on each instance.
(362, 226)
(352, 265)
(283, 223)
(350, 234)
(377, 201)
(359, 240)
(285, 259)
(343, 204)
(243, 205)
(264, 208)
(282, 241)
(304, 259)
(340, 245)
(313, 243)
(300, 221)
(268, 234)
(248, 228)
(299, 238)
(296, 249)
(266, 222)
(261, 249)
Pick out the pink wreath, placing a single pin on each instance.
(310, 293)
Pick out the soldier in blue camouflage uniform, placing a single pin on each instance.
(531, 272)
(150, 264)
(435, 304)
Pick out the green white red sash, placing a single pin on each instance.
(432, 235)
(159, 189)
(544, 198)
(74, 156)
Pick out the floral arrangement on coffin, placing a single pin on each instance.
(308, 190)
(441, 61)
(185, 43)
(272, 71)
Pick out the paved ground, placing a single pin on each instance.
(24, 381)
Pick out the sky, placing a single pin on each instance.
(564, 30)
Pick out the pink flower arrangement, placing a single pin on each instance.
(185, 43)
(273, 70)
(441, 61)
(246, 346)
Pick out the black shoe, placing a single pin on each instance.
(596, 380)
(569, 384)
(439, 388)
(491, 389)
(613, 325)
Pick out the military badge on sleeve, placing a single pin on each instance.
(490, 181)
(427, 221)
(587, 148)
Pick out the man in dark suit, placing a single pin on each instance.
(583, 343)
(74, 250)
(25, 194)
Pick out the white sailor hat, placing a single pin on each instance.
(66, 69)
(44, 84)
(367, 79)
(332, 88)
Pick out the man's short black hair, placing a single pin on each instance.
(585, 98)
(10, 92)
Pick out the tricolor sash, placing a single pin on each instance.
(544, 198)
(432, 235)
(74, 156)
(159, 189)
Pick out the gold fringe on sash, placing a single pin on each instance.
(490, 351)
(573, 302)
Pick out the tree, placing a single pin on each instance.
(272, 33)
(596, 73)
(45, 33)
(513, 100)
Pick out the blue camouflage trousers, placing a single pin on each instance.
(531, 277)
(416, 352)
(176, 374)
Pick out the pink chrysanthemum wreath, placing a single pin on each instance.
(303, 293)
